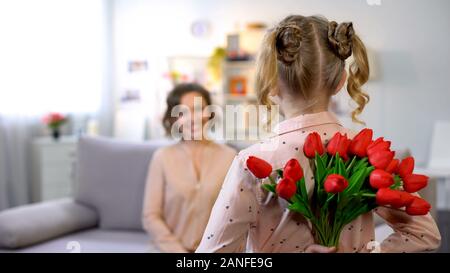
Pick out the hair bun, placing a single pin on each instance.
(288, 41)
(340, 37)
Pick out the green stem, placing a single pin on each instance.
(329, 198)
(349, 167)
(329, 163)
(397, 183)
(271, 180)
(369, 194)
(319, 232)
(336, 235)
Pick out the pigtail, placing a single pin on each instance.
(344, 43)
(267, 69)
(358, 76)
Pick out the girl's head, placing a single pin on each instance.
(305, 58)
(187, 95)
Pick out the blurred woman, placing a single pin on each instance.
(185, 178)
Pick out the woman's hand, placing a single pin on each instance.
(320, 249)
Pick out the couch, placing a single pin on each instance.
(105, 213)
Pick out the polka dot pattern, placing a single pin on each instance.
(273, 223)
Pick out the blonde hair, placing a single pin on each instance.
(309, 53)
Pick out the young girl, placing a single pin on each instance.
(301, 65)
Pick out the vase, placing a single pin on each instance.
(56, 134)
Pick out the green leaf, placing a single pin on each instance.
(362, 163)
(324, 158)
(349, 164)
(280, 172)
(320, 169)
(321, 197)
(336, 163)
(329, 197)
(355, 212)
(330, 171)
(355, 182)
(269, 187)
(300, 208)
(367, 172)
(397, 183)
(340, 167)
(296, 198)
(304, 193)
(330, 163)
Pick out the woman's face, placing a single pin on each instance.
(196, 119)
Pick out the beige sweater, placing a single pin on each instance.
(177, 203)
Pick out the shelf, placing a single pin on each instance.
(69, 139)
(227, 96)
(248, 97)
(239, 64)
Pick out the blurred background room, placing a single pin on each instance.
(104, 68)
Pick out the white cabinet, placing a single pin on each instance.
(53, 168)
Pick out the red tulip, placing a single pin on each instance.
(360, 142)
(260, 168)
(339, 144)
(335, 183)
(387, 196)
(286, 188)
(293, 170)
(57, 116)
(378, 145)
(405, 200)
(313, 144)
(418, 207)
(414, 182)
(53, 118)
(46, 119)
(380, 179)
(393, 166)
(381, 159)
(406, 167)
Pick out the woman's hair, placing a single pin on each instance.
(308, 54)
(174, 99)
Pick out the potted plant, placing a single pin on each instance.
(54, 121)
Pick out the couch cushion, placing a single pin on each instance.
(95, 241)
(35, 223)
(111, 177)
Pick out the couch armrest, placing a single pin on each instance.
(30, 224)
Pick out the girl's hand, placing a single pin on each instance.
(320, 249)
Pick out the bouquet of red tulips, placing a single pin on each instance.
(54, 120)
(351, 177)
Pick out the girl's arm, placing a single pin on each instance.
(233, 213)
(411, 233)
(152, 218)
